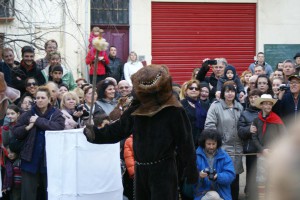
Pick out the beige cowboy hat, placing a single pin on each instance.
(263, 98)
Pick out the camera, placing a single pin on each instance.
(283, 87)
(211, 173)
(79, 107)
(211, 62)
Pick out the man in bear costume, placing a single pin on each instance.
(160, 127)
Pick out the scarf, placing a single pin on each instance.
(272, 119)
(200, 113)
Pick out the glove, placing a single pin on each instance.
(205, 66)
(89, 133)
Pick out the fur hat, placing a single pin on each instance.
(263, 98)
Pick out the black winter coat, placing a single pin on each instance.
(191, 113)
(155, 137)
(212, 80)
(20, 74)
(286, 108)
(56, 122)
(116, 68)
(244, 133)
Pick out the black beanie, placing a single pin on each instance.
(57, 68)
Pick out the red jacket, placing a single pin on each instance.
(89, 60)
(129, 156)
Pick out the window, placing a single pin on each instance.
(110, 12)
(6, 8)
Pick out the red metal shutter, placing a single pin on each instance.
(183, 34)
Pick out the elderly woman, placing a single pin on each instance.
(132, 66)
(224, 115)
(69, 104)
(195, 109)
(30, 128)
(97, 110)
(106, 95)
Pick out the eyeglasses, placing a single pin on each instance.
(30, 84)
(125, 87)
(294, 83)
(194, 88)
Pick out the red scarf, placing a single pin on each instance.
(272, 119)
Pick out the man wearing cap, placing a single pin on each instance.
(288, 104)
(26, 69)
(260, 60)
(266, 128)
(297, 61)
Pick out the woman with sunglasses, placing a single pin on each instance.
(195, 109)
(31, 87)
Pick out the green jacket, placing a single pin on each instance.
(67, 77)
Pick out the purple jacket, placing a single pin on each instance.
(56, 122)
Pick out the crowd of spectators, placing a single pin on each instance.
(231, 116)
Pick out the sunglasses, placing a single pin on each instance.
(194, 88)
(30, 84)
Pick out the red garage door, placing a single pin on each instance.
(183, 34)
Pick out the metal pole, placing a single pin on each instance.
(94, 85)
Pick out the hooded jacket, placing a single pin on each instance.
(225, 174)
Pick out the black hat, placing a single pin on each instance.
(294, 76)
(57, 68)
(26, 49)
(297, 55)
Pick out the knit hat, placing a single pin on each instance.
(204, 84)
(297, 55)
(57, 68)
(27, 49)
(232, 68)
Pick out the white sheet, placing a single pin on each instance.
(81, 170)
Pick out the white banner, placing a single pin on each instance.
(81, 170)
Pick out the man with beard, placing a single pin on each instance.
(26, 69)
(216, 170)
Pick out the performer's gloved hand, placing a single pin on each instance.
(89, 133)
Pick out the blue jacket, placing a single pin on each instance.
(225, 170)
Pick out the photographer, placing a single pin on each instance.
(216, 170)
(288, 103)
(218, 67)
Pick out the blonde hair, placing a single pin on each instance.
(68, 94)
(54, 53)
(79, 92)
(182, 90)
(132, 52)
(243, 76)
